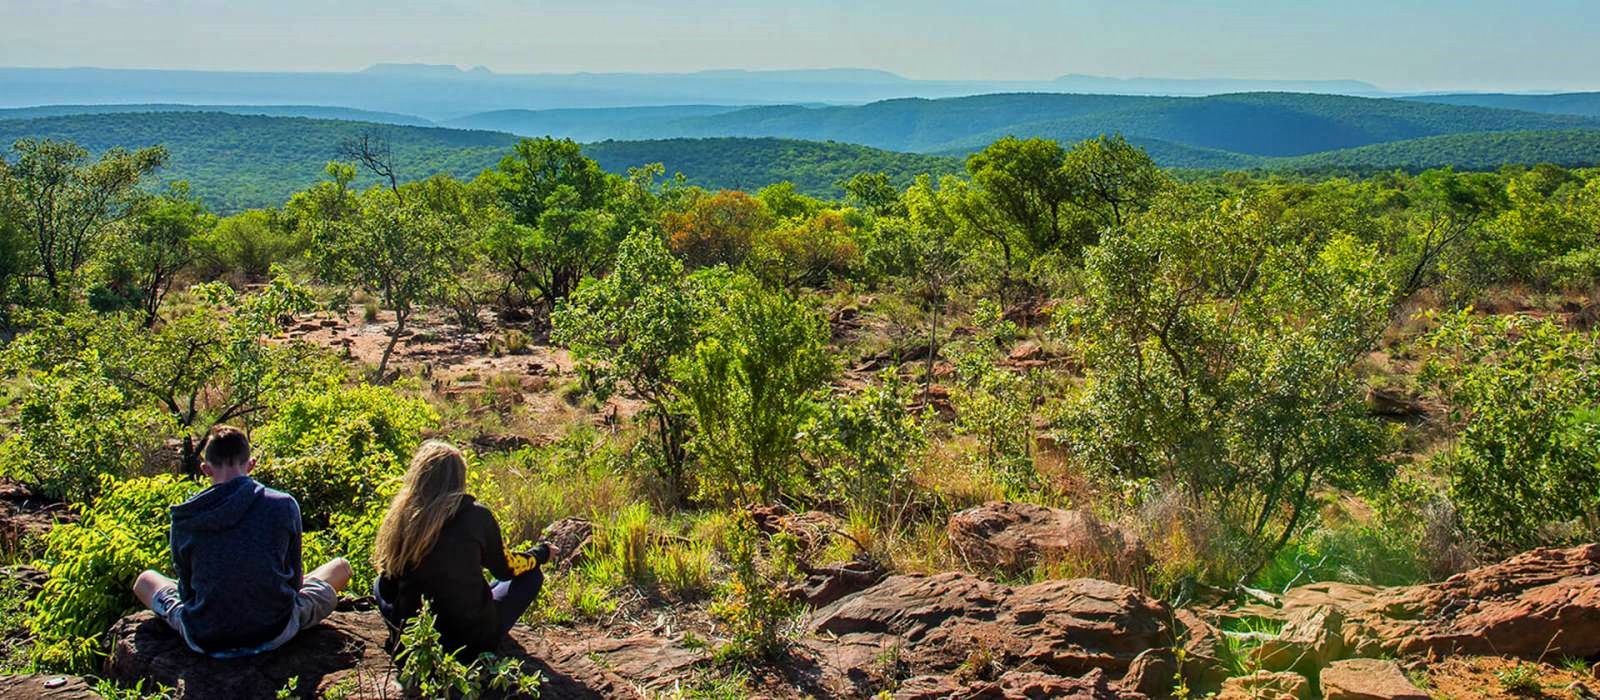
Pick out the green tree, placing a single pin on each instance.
(1112, 178)
(874, 192)
(402, 252)
(626, 328)
(750, 383)
(160, 243)
(66, 205)
(559, 229)
(1218, 356)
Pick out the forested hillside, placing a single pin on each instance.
(815, 168)
(241, 161)
(1264, 124)
(1586, 104)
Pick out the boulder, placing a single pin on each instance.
(1266, 685)
(26, 514)
(346, 652)
(46, 686)
(1206, 654)
(1368, 679)
(1310, 639)
(569, 537)
(811, 528)
(1012, 537)
(826, 584)
(938, 624)
(1537, 605)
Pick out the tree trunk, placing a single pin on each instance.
(394, 337)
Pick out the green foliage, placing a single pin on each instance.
(627, 328)
(718, 228)
(752, 603)
(393, 246)
(1523, 392)
(750, 383)
(156, 245)
(90, 564)
(559, 230)
(863, 445)
(73, 428)
(250, 243)
(431, 671)
(338, 448)
(1218, 354)
(66, 203)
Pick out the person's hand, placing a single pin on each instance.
(542, 552)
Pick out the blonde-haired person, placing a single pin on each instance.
(435, 543)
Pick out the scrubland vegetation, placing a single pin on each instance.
(1375, 380)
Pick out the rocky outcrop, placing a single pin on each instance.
(346, 652)
(1012, 537)
(944, 625)
(1016, 685)
(1368, 679)
(1537, 605)
(569, 538)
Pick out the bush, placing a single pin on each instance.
(92, 564)
(1527, 453)
(750, 384)
(758, 613)
(1219, 356)
(863, 444)
(429, 670)
(250, 243)
(335, 450)
(72, 429)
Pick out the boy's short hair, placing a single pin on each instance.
(227, 446)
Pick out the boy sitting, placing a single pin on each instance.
(236, 549)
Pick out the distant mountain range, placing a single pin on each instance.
(447, 92)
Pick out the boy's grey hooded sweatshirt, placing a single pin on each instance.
(236, 547)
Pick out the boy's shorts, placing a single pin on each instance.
(314, 603)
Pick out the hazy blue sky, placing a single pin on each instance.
(1398, 44)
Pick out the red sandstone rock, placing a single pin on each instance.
(1368, 679)
(1015, 536)
(1266, 685)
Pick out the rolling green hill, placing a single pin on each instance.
(236, 162)
(1586, 104)
(1258, 124)
(596, 124)
(308, 111)
(240, 161)
(1482, 151)
(749, 164)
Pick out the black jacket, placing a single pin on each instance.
(236, 548)
(450, 577)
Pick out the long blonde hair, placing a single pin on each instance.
(435, 483)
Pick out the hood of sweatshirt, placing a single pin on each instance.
(219, 507)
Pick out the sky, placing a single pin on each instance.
(1396, 44)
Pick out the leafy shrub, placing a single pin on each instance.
(250, 243)
(863, 444)
(719, 228)
(1527, 454)
(92, 564)
(73, 428)
(758, 613)
(750, 384)
(335, 450)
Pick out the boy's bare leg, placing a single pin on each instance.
(149, 582)
(336, 573)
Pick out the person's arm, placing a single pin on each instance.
(296, 563)
(501, 562)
